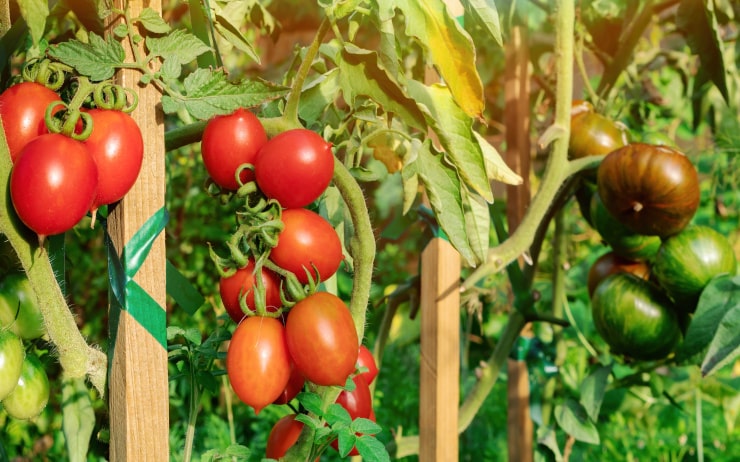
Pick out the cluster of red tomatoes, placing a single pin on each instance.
(271, 356)
(56, 179)
(24, 384)
(641, 201)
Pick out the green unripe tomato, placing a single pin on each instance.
(31, 393)
(11, 360)
(16, 295)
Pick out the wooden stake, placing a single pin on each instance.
(138, 389)
(517, 120)
(440, 352)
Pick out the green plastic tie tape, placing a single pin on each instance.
(128, 295)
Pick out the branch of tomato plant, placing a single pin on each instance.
(77, 358)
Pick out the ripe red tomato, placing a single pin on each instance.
(322, 339)
(257, 361)
(366, 359)
(228, 142)
(294, 386)
(118, 149)
(22, 109)
(358, 402)
(283, 436)
(307, 239)
(53, 183)
(294, 167)
(242, 284)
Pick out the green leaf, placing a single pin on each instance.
(443, 187)
(371, 449)
(593, 389)
(455, 132)
(78, 418)
(725, 344)
(477, 223)
(485, 13)
(362, 75)
(719, 303)
(365, 426)
(35, 12)
(337, 415)
(496, 167)
(698, 21)
(97, 60)
(182, 291)
(345, 441)
(450, 47)
(210, 93)
(179, 46)
(317, 95)
(152, 21)
(573, 419)
(547, 441)
(310, 401)
(234, 36)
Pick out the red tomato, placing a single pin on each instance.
(294, 167)
(358, 402)
(228, 142)
(53, 183)
(367, 360)
(22, 109)
(118, 149)
(242, 284)
(257, 361)
(307, 239)
(283, 436)
(322, 339)
(294, 386)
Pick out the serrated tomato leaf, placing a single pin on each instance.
(179, 46)
(152, 21)
(574, 420)
(98, 59)
(371, 449)
(310, 401)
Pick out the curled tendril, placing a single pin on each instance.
(48, 73)
(108, 95)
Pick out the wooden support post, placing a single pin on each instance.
(440, 352)
(138, 388)
(519, 422)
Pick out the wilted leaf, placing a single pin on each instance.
(496, 167)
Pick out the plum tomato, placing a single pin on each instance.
(653, 190)
(18, 307)
(31, 393)
(22, 110)
(117, 146)
(358, 402)
(366, 359)
(294, 386)
(322, 339)
(242, 285)
(257, 361)
(228, 142)
(307, 240)
(283, 436)
(53, 183)
(294, 167)
(11, 361)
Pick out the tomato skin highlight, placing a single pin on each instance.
(22, 110)
(11, 361)
(117, 146)
(295, 167)
(229, 141)
(257, 361)
(322, 339)
(307, 240)
(53, 183)
(242, 284)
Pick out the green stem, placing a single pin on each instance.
(192, 412)
(76, 357)
(557, 167)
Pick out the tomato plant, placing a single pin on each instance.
(53, 183)
(307, 245)
(593, 134)
(294, 167)
(610, 263)
(240, 288)
(31, 393)
(322, 339)
(622, 239)
(228, 142)
(257, 361)
(11, 361)
(117, 147)
(18, 308)
(22, 110)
